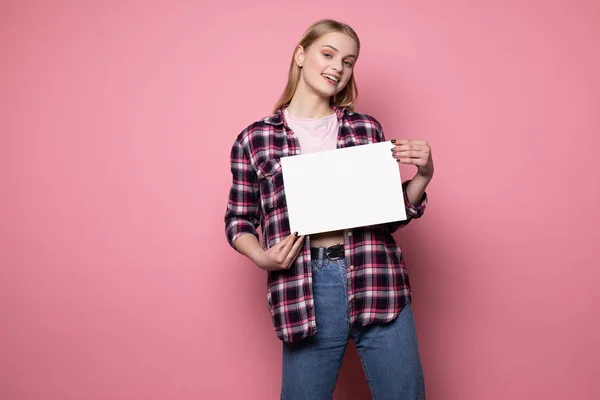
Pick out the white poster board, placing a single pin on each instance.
(343, 188)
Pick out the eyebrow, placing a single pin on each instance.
(327, 45)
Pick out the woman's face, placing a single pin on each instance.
(328, 63)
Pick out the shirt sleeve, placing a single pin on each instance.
(413, 211)
(242, 215)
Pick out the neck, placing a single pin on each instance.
(308, 104)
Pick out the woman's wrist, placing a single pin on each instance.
(416, 188)
(249, 246)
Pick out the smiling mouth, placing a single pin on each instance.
(330, 78)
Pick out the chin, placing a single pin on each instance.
(328, 93)
(325, 91)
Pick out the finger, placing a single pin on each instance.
(404, 147)
(424, 154)
(413, 161)
(411, 154)
(403, 142)
(416, 142)
(294, 252)
(288, 242)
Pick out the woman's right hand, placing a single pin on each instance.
(282, 255)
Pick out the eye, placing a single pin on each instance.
(326, 55)
(348, 64)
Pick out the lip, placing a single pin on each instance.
(332, 75)
(336, 76)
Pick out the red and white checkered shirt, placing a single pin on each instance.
(378, 285)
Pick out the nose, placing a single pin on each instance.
(337, 67)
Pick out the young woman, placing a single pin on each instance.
(325, 289)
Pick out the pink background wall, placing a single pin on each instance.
(116, 124)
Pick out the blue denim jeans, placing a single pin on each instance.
(389, 353)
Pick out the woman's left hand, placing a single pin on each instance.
(415, 152)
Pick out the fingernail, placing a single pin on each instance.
(393, 140)
(296, 234)
(397, 160)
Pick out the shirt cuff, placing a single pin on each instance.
(414, 210)
(237, 228)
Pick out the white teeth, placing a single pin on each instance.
(333, 78)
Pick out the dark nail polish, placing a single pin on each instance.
(393, 140)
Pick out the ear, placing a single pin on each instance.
(299, 56)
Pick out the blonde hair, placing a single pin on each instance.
(346, 97)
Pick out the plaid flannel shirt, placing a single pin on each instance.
(378, 284)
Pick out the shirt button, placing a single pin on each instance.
(351, 267)
(350, 233)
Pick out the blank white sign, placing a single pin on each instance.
(343, 188)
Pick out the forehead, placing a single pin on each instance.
(344, 43)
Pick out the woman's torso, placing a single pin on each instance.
(317, 135)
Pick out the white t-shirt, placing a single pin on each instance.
(314, 134)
